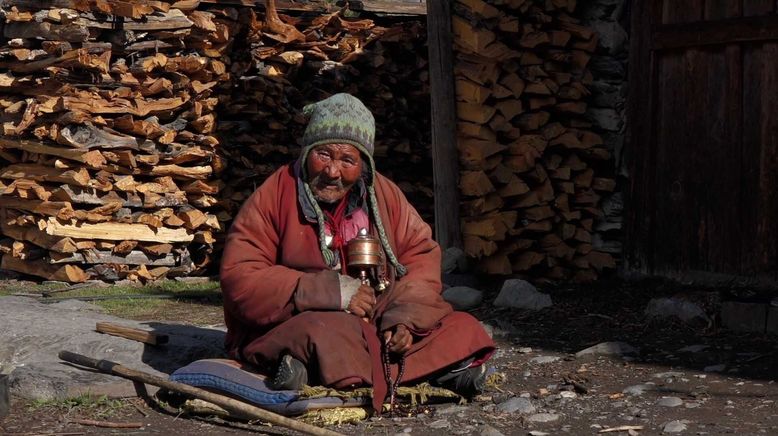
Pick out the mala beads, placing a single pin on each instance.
(393, 385)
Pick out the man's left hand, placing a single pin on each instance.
(398, 339)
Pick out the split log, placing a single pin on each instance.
(41, 268)
(116, 232)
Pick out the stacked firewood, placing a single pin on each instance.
(277, 74)
(108, 153)
(533, 170)
(108, 147)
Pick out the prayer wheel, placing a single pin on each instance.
(364, 252)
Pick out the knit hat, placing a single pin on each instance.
(341, 118)
(344, 119)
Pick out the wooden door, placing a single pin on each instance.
(703, 139)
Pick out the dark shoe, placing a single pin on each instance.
(467, 382)
(291, 375)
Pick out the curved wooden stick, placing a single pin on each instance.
(113, 368)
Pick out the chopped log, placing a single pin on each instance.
(475, 113)
(475, 183)
(59, 209)
(41, 268)
(79, 177)
(490, 227)
(93, 159)
(472, 38)
(471, 92)
(481, 8)
(526, 260)
(200, 172)
(477, 247)
(473, 152)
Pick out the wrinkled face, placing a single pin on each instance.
(332, 170)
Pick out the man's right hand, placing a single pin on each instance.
(363, 302)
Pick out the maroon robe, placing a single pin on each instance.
(280, 297)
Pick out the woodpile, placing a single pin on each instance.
(108, 113)
(384, 64)
(533, 169)
(113, 161)
(132, 132)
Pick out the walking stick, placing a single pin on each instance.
(113, 368)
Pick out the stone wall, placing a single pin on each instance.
(607, 106)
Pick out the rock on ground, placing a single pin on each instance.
(674, 427)
(34, 333)
(543, 417)
(670, 402)
(675, 307)
(608, 349)
(522, 406)
(521, 295)
(463, 297)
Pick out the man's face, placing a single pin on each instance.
(332, 170)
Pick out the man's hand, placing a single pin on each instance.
(363, 302)
(398, 339)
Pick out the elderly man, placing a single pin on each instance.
(290, 305)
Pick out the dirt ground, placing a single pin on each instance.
(685, 379)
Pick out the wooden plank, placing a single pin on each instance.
(677, 135)
(718, 9)
(139, 335)
(444, 122)
(641, 107)
(170, 20)
(117, 232)
(719, 182)
(682, 11)
(381, 6)
(727, 31)
(387, 6)
(759, 160)
(758, 7)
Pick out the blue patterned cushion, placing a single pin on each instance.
(233, 378)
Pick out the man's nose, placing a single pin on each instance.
(332, 171)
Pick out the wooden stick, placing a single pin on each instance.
(230, 404)
(107, 424)
(131, 333)
(621, 428)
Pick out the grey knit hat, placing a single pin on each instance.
(344, 119)
(341, 118)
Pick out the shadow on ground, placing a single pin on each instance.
(586, 315)
(187, 343)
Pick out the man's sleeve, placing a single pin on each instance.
(256, 290)
(415, 299)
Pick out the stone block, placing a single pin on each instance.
(744, 317)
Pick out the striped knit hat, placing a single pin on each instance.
(344, 119)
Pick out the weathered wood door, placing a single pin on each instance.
(703, 138)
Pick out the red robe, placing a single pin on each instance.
(275, 284)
